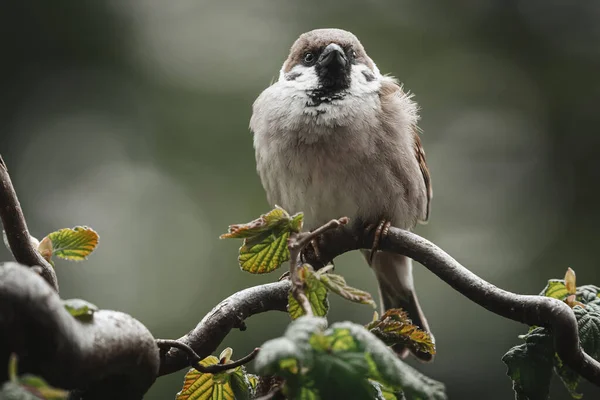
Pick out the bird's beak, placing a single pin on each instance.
(333, 56)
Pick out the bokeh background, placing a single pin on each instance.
(132, 117)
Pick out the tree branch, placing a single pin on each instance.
(530, 310)
(227, 315)
(195, 359)
(16, 230)
(111, 356)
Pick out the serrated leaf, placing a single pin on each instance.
(315, 291)
(570, 281)
(265, 255)
(197, 385)
(555, 289)
(395, 327)
(340, 362)
(276, 219)
(72, 244)
(390, 370)
(337, 284)
(80, 309)
(588, 322)
(265, 240)
(530, 365)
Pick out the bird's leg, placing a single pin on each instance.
(380, 232)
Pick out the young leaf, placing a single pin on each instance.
(275, 219)
(314, 290)
(264, 255)
(197, 385)
(265, 240)
(570, 281)
(80, 309)
(530, 365)
(70, 244)
(395, 327)
(337, 284)
(555, 289)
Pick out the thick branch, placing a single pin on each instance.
(112, 356)
(530, 310)
(16, 229)
(228, 314)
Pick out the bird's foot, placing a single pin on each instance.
(381, 232)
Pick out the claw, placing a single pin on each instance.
(380, 233)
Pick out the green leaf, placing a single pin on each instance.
(241, 384)
(530, 365)
(265, 254)
(275, 219)
(588, 322)
(80, 309)
(197, 385)
(390, 370)
(265, 240)
(70, 244)
(556, 289)
(396, 327)
(337, 284)
(315, 291)
(340, 362)
(287, 353)
(41, 389)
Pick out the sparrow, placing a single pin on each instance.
(334, 137)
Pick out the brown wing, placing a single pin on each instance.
(390, 88)
(420, 154)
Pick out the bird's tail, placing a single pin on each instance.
(396, 290)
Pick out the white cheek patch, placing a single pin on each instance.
(300, 78)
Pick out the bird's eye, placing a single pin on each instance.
(309, 58)
(353, 54)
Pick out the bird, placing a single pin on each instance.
(334, 137)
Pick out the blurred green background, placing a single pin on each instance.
(132, 117)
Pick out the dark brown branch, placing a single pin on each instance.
(227, 315)
(111, 356)
(530, 310)
(16, 230)
(195, 359)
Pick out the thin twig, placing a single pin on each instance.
(296, 244)
(195, 359)
(16, 230)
